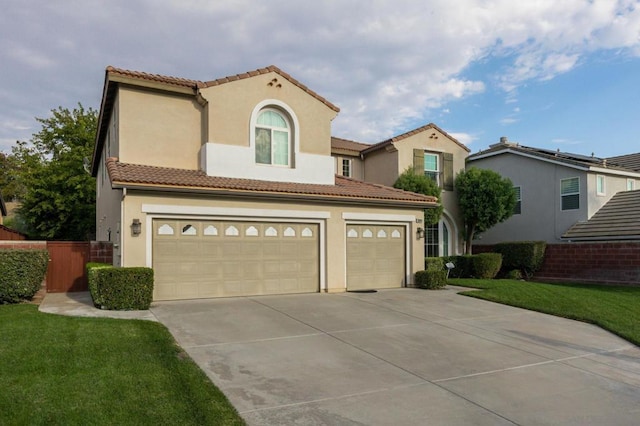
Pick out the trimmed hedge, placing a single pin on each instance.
(433, 263)
(486, 265)
(526, 256)
(463, 266)
(431, 279)
(21, 273)
(120, 288)
(93, 280)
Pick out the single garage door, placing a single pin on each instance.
(375, 256)
(200, 259)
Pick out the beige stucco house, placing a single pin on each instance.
(228, 188)
(427, 149)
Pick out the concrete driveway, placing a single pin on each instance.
(406, 357)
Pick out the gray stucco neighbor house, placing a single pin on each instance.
(555, 189)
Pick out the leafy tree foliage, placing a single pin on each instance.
(411, 181)
(59, 195)
(485, 199)
(9, 183)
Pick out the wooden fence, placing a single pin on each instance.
(67, 261)
(8, 234)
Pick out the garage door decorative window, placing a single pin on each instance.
(306, 232)
(289, 232)
(189, 230)
(165, 230)
(251, 232)
(211, 230)
(352, 233)
(367, 233)
(231, 231)
(271, 232)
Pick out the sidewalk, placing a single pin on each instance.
(79, 304)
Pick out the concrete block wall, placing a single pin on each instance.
(615, 263)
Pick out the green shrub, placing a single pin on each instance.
(434, 263)
(121, 288)
(431, 279)
(93, 279)
(463, 266)
(21, 273)
(514, 274)
(526, 256)
(486, 265)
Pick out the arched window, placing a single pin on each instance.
(273, 138)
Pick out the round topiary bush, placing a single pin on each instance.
(486, 265)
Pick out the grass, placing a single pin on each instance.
(93, 371)
(616, 309)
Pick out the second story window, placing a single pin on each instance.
(346, 167)
(431, 168)
(600, 188)
(570, 193)
(518, 208)
(273, 138)
(631, 184)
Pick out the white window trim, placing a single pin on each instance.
(604, 185)
(519, 199)
(631, 184)
(437, 170)
(271, 130)
(294, 133)
(571, 193)
(349, 163)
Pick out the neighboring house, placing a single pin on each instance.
(555, 189)
(228, 188)
(617, 220)
(429, 150)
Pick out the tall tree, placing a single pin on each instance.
(9, 182)
(485, 199)
(59, 195)
(409, 180)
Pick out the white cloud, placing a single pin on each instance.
(388, 65)
(464, 138)
(508, 120)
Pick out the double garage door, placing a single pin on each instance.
(200, 259)
(207, 258)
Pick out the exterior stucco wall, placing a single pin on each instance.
(159, 128)
(357, 166)
(108, 213)
(137, 249)
(542, 217)
(231, 105)
(384, 167)
(612, 184)
(381, 167)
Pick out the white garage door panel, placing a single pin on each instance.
(375, 256)
(196, 259)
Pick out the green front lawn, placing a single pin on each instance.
(80, 371)
(616, 309)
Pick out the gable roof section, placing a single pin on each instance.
(629, 161)
(344, 190)
(430, 126)
(114, 76)
(347, 147)
(576, 161)
(618, 219)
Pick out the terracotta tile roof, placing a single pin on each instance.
(629, 161)
(398, 138)
(339, 144)
(345, 189)
(176, 81)
(618, 219)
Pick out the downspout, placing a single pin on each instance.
(120, 232)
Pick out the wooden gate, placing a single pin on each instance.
(67, 271)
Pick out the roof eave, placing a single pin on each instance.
(275, 195)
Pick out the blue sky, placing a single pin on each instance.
(546, 73)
